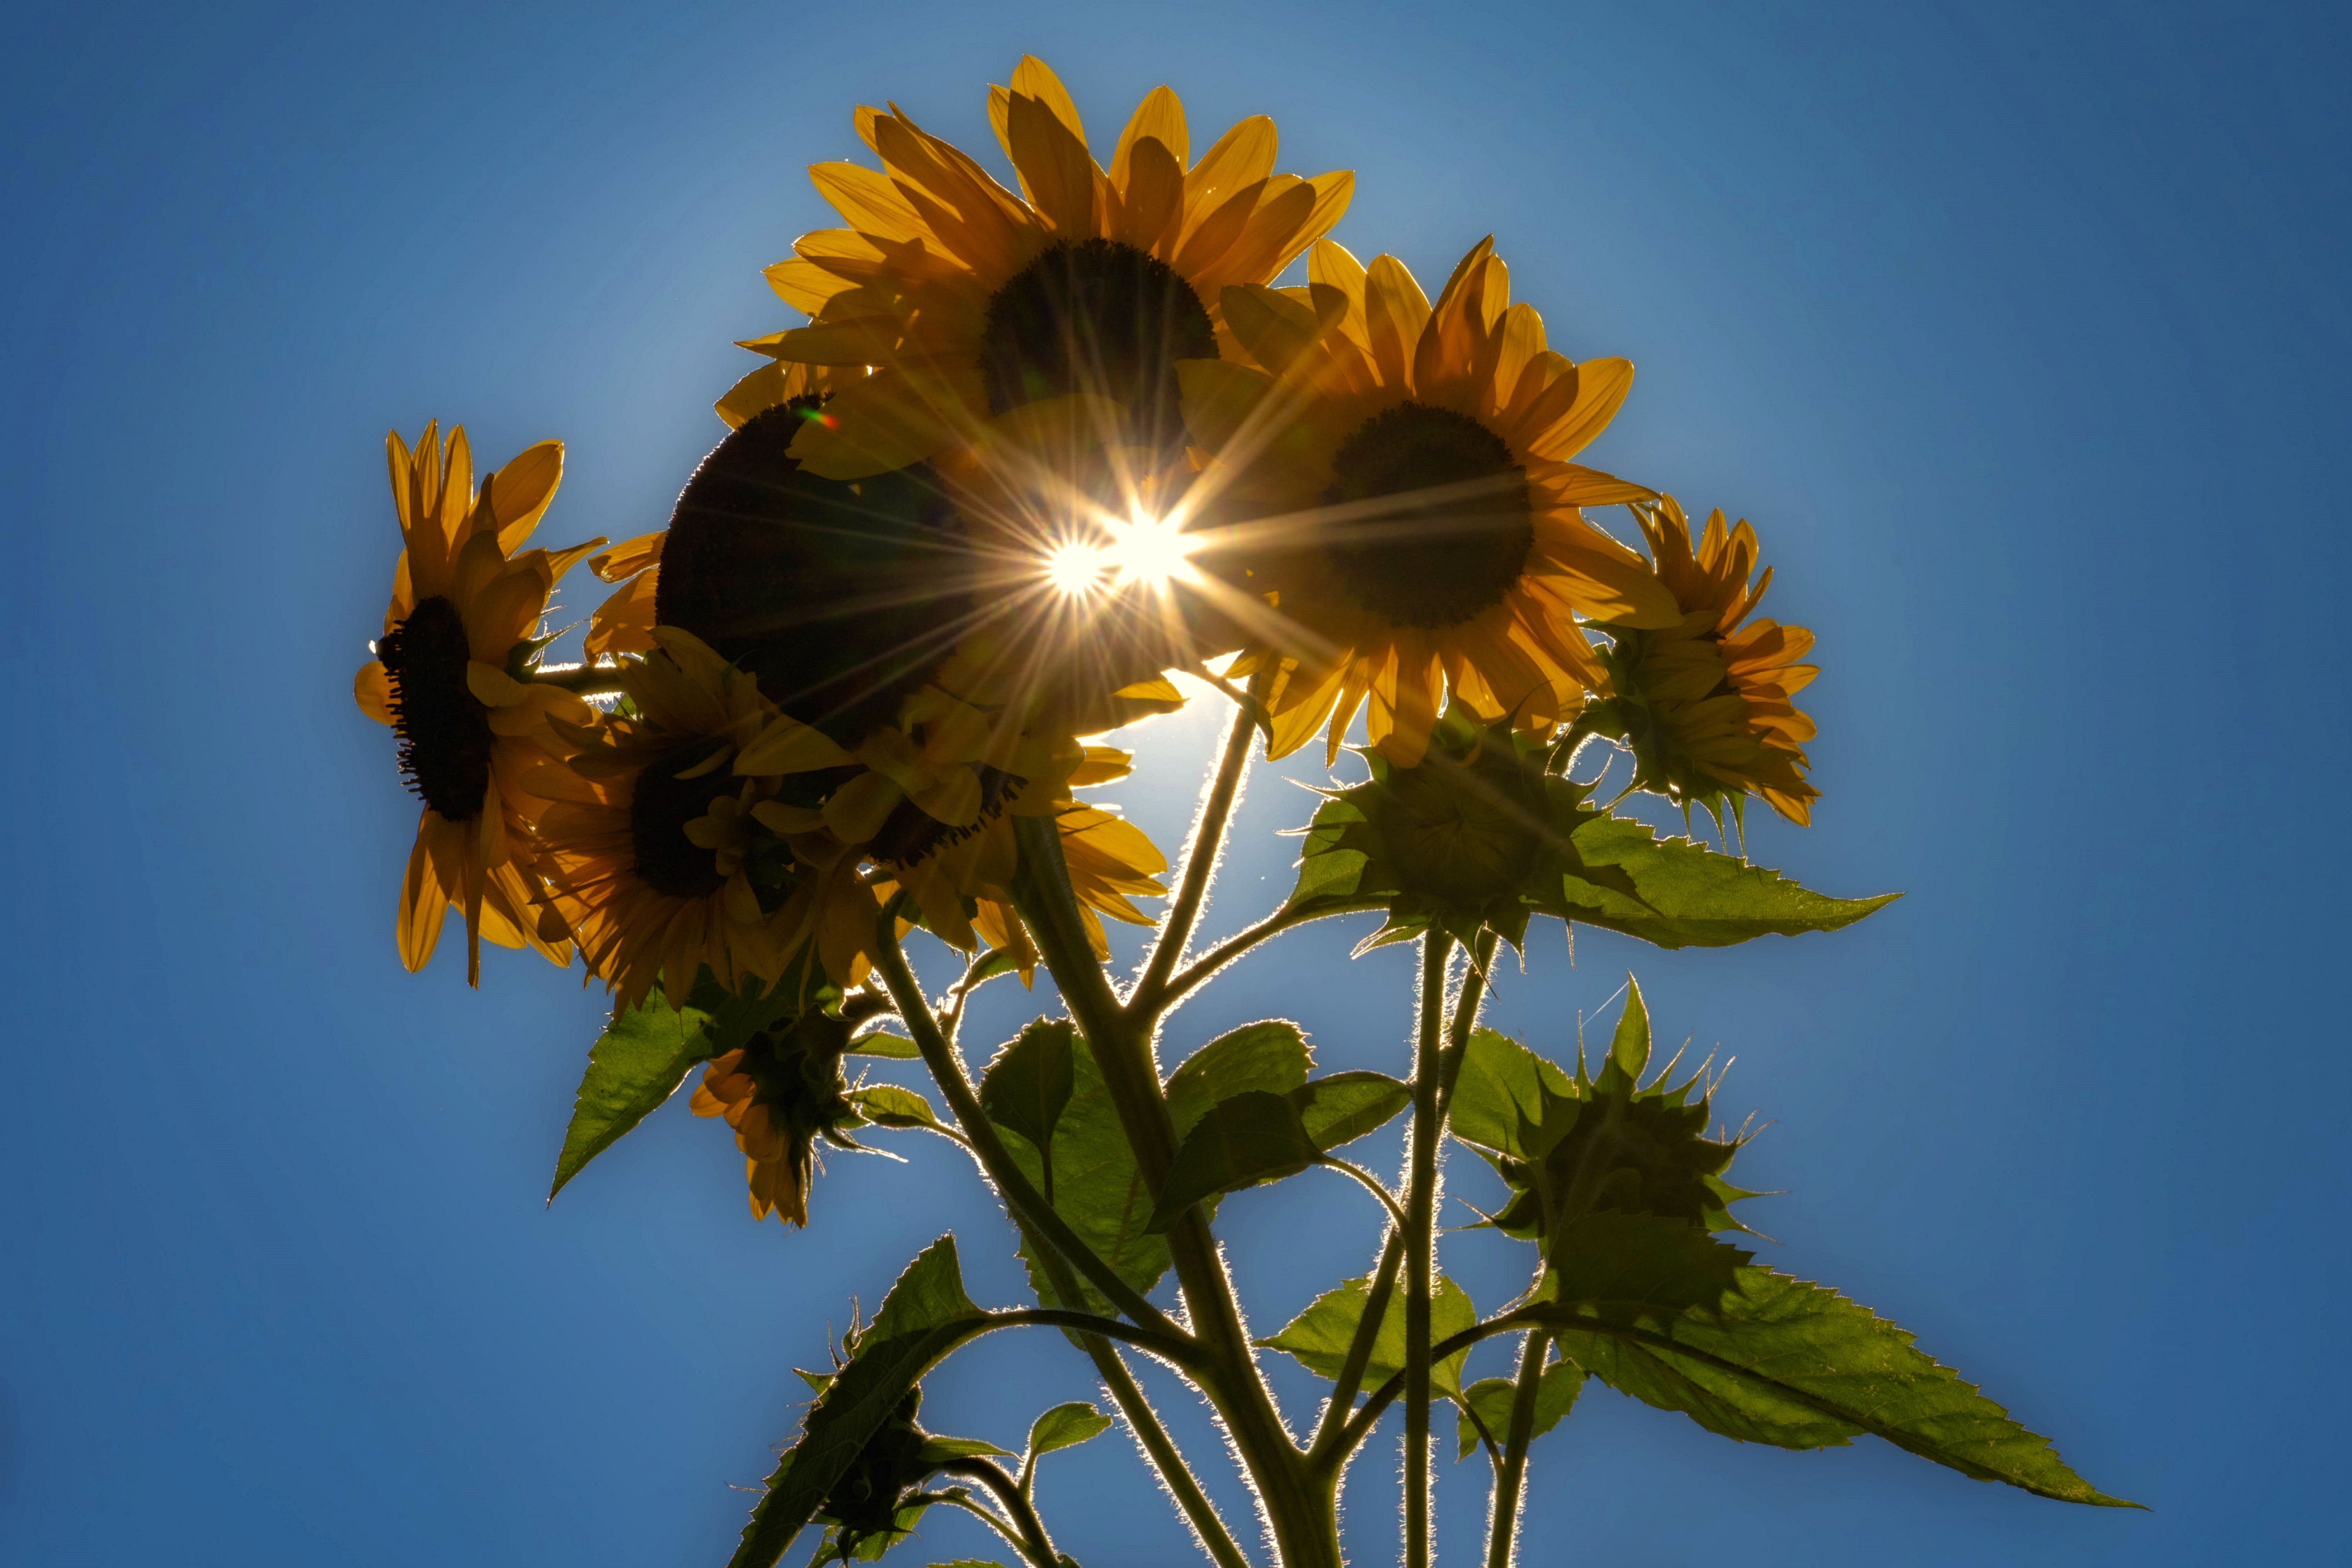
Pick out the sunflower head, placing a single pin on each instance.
(452, 679)
(1606, 1143)
(781, 1092)
(1395, 515)
(839, 597)
(1706, 705)
(1469, 838)
(971, 300)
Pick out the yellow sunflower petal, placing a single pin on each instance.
(371, 689)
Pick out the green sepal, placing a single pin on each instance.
(1480, 837)
(1569, 1145)
(1318, 1338)
(1659, 1310)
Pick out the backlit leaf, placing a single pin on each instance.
(1244, 1140)
(926, 1315)
(636, 1064)
(1678, 894)
(1028, 1086)
(1659, 1310)
(1346, 1105)
(1271, 1056)
(1319, 1336)
(1491, 1398)
(889, 1105)
(1066, 1427)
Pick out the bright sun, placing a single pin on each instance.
(1145, 550)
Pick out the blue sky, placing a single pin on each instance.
(2015, 330)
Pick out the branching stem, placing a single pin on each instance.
(1510, 1470)
(1035, 1544)
(1208, 842)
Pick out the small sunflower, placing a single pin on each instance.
(1709, 704)
(781, 1092)
(1398, 480)
(970, 300)
(448, 677)
(660, 851)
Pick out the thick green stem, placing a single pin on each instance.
(1329, 1452)
(1298, 1510)
(1420, 1242)
(1035, 1544)
(1020, 1194)
(1511, 1470)
(1225, 952)
(1159, 1449)
(1200, 863)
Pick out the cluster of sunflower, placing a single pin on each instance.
(1032, 451)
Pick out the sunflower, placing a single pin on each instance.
(779, 1094)
(970, 300)
(456, 637)
(1399, 483)
(1707, 704)
(929, 802)
(660, 854)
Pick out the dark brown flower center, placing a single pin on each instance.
(840, 597)
(660, 808)
(1096, 317)
(1419, 560)
(909, 832)
(444, 735)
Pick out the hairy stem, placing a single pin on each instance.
(1208, 842)
(1299, 1510)
(1035, 1544)
(1159, 1449)
(1019, 1195)
(1511, 1470)
(1328, 1452)
(1274, 924)
(1420, 1238)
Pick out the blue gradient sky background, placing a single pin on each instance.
(2018, 336)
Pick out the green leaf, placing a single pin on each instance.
(1271, 1056)
(1678, 894)
(1251, 1137)
(1066, 1427)
(1319, 1336)
(889, 1105)
(926, 1315)
(940, 1450)
(1630, 1047)
(1345, 1106)
(1658, 1310)
(1491, 1398)
(882, 1042)
(637, 1063)
(1095, 1186)
(1028, 1086)
(1503, 1094)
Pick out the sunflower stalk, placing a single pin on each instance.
(1299, 1510)
(1420, 1241)
(1510, 1469)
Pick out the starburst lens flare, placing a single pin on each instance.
(1142, 550)
(1076, 567)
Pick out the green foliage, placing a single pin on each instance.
(1063, 1427)
(1658, 1309)
(926, 1315)
(937, 1451)
(1252, 1137)
(1271, 1056)
(1097, 1186)
(1490, 1399)
(1257, 1136)
(1318, 1337)
(637, 1063)
(1570, 1145)
(882, 1042)
(1479, 835)
(889, 1105)
(1028, 1086)
(1345, 1106)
